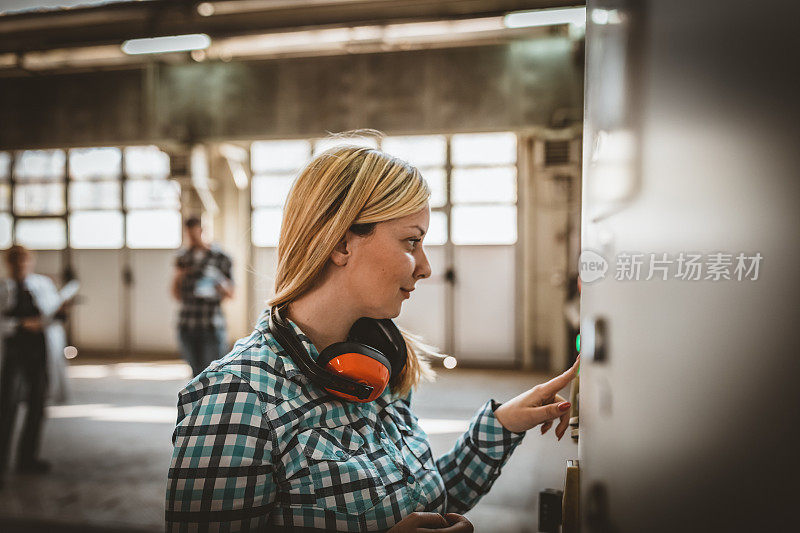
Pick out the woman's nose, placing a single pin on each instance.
(423, 267)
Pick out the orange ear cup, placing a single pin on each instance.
(363, 369)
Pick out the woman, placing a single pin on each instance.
(259, 446)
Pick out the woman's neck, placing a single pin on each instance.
(322, 316)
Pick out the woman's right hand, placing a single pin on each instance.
(425, 522)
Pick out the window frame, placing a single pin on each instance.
(448, 167)
(65, 180)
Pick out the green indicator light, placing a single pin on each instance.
(578, 343)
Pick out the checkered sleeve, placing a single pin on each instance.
(226, 267)
(181, 259)
(221, 475)
(471, 466)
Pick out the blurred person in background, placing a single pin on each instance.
(33, 342)
(262, 443)
(202, 281)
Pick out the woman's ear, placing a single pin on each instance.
(341, 253)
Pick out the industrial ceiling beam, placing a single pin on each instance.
(116, 22)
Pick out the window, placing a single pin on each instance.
(96, 229)
(94, 195)
(279, 156)
(39, 194)
(148, 194)
(484, 149)
(154, 228)
(275, 165)
(146, 162)
(482, 182)
(40, 165)
(6, 220)
(484, 188)
(429, 154)
(95, 220)
(5, 166)
(95, 163)
(41, 233)
(153, 201)
(39, 199)
(93, 202)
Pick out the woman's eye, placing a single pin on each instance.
(414, 242)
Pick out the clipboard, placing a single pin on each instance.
(68, 291)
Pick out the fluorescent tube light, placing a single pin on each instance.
(546, 17)
(162, 45)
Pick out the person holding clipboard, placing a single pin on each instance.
(32, 341)
(202, 281)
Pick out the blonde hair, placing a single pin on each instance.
(347, 188)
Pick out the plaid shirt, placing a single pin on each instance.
(196, 312)
(258, 447)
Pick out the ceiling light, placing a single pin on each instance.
(161, 45)
(546, 17)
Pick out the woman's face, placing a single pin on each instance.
(386, 265)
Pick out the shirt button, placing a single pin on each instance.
(339, 453)
(411, 479)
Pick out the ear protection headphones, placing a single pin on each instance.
(358, 369)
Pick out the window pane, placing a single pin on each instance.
(143, 194)
(5, 197)
(267, 226)
(325, 144)
(436, 178)
(146, 162)
(5, 165)
(40, 164)
(42, 233)
(5, 230)
(489, 224)
(94, 195)
(271, 190)
(420, 151)
(90, 163)
(437, 230)
(279, 156)
(485, 185)
(154, 229)
(96, 229)
(39, 199)
(484, 149)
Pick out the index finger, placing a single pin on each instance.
(559, 382)
(434, 520)
(460, 526)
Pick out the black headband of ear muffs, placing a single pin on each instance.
(384, 336)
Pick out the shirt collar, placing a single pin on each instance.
(263, 325)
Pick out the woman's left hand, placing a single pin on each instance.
(539, 405)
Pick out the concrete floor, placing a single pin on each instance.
(111, 445)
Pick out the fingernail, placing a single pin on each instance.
(563, 406)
